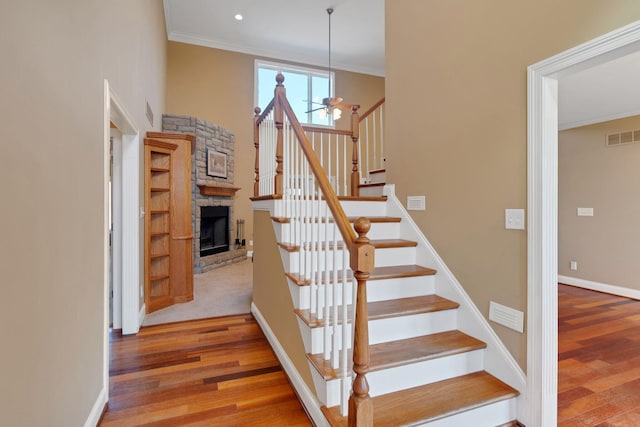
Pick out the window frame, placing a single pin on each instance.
(310, 72)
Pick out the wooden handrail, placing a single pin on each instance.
(318, 129)
(348, 234)
(266, 111)
(372, 109)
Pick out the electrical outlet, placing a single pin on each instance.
(574, 265)
(514, 219)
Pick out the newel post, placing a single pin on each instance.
(279, 94)
(256, 143)
(355, 136)
(362, 263)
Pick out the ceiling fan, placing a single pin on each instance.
(330, 106)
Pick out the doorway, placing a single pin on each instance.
(542, 194)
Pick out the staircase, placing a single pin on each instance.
(422, 369)
(429, 357)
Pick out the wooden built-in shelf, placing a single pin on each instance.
(159, 212)
(156, 278)
(160, 189)
(158, 256)
(160, 169)
(217, 190)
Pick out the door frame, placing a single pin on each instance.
(542, 198)
(126, 253)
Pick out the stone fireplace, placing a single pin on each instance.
(212, 196)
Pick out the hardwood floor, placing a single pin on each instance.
(211, 372)
(598, 360)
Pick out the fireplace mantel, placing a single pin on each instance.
(217, 190)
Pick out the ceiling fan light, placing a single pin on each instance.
(337, 113)
(322, 114)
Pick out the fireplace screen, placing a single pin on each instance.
(214, 230)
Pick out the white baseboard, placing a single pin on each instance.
(309, 400)
(600, 287)
(98, 407)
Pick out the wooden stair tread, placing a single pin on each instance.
(378, 244)
(363, 198)
(372, 219)
(445, 398)
(403, 352)
(379, 273)
(390, 308)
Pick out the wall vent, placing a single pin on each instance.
(622, 138)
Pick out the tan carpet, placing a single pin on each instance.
(220, 292)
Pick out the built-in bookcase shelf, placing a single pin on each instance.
(168, 253)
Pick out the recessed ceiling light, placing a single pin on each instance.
(238, 17)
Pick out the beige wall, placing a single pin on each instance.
(592, 175)
(456, 89)
(272, 297)
(217, 86)
(55, 58)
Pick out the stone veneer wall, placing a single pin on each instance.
(208, 135)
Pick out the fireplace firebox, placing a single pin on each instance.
(214, 230)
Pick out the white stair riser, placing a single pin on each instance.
(321, 260)
(329, 392)
(379, 230)
(307, 261)
(385, 330)
(350, 207)
(427, 372)
(371, 191)
(386, 257)
(302, 299)
(313, 338)
(401, 287)
(375, 178)
(397, 328)
(411, 375)
(356, 209)
(494, 414)
(377, 290)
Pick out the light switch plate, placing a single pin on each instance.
(585, 211)
(514, 219)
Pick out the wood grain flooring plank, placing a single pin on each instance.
(207, 372)
(599, 359)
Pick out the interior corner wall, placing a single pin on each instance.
(217, 86)
(56, 56)
(456, 111)
(272, 297)
(607, 179)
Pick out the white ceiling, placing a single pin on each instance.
(292, 30)
(297, 30)
(605, 92)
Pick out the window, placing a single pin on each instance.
(306, 88)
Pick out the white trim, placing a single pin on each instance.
(105, 209)
(309, 400)
(97, 409)
(142, 314)
(600, 119)
(498, 360)
(542, 191)
(600, 287)
(116, 226)
(130, 202)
